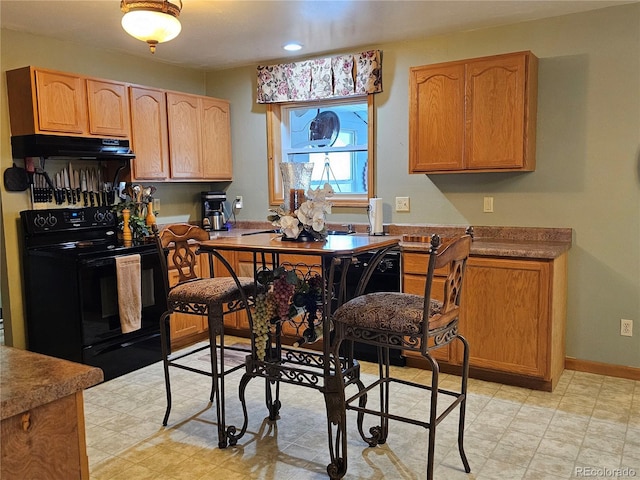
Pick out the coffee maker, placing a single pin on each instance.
(213, 214)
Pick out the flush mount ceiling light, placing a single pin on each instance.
(152, 21)
(292, 47)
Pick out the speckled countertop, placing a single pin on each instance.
(28, 380)
(512, 242)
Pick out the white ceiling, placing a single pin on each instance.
(230, 33)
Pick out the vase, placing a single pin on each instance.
(296, 180)
(150, 219)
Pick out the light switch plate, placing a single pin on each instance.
(402, 204)
(488, 205)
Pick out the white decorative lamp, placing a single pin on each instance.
(152, 21)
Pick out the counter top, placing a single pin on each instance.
(512, 242)
(483, 247)
(29, 380)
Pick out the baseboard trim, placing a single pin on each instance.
(621, 371)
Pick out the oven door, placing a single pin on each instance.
(124, 354)
(100, 318)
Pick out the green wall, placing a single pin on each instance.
(587, 159)
(588, 148)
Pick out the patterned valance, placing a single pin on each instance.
(341, 76)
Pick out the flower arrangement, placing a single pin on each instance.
(308, 221)
(138, 202)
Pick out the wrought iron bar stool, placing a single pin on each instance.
(410, 322)
(199, 296)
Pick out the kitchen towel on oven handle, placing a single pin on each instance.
(128, 275)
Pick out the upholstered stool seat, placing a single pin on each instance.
(397, 312)
(204, 292)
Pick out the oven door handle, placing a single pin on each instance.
(117, 346)
(111, 260)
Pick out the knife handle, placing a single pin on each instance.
(78, 194)
(92, 198)
(85, 196)
(67, 191)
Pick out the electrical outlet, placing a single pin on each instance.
(156, 205)
(402, 204)
(488, 205)
(626, 327)
(238, 202)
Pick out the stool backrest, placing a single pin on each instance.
(180, 237)
(452, 255)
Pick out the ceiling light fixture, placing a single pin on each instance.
(292, 47)
(152, 21)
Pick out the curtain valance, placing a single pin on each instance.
(322, 78)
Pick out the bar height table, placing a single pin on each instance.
(300, 366)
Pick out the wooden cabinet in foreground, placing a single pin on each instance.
(50, 102)
(513, 313)
(476, 115)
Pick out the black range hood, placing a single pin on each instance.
(70, 147)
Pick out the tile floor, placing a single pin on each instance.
(589, 427)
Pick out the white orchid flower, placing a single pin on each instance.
(290, 226)
(318, 221)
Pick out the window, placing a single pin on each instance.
(336, 135)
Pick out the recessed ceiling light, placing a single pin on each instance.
(292, 47)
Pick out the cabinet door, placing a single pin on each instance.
(436, 113)
(184, 135)
(230, 319)
(495, 113)
(62, 102)
(108, 108)
(505, 307)
(216, 139)
(149, 139)
(182, 324)
(415, 284)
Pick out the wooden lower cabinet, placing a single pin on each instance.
(185, 328)
(47, 441)
(513, 314)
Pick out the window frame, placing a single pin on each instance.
(274, 152)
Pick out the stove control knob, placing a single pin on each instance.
(99, 216)
(52, 220)
(109, 216)
(385, 265)
(39, 221)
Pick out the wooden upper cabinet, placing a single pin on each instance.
(61, 102)
(475, 115)
(216, 139)
(184, 135)
(175, 136)
(149, 138)
(43, 101)
(108, 108)
(436, 128)
(199, 137)
(50, 102)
